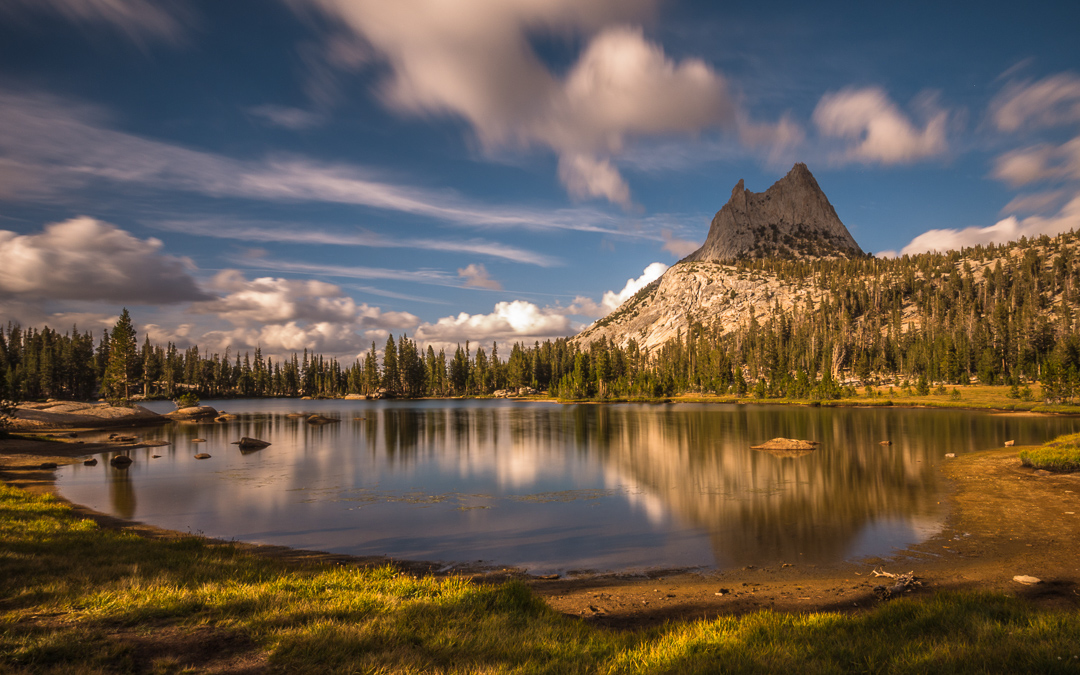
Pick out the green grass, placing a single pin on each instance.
(70, 591)
(1061, 454)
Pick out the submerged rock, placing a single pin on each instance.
(319, 419)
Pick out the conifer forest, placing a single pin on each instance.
(989, 314)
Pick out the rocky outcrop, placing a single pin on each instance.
(713, 293)
(793, 219)
(74, 414)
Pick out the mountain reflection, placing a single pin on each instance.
(556, 487)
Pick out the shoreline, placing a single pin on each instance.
(1003, 520)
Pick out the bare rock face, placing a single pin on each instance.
(792, 219)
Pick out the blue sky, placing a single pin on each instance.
(319, 173)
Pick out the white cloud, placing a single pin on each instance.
(57, 146)
(1039, 162)
(1050, 102)
(586, 176)
(477, 276)
(473, 59)
(138, 19)
(610, 301)
(287, 315)
(1003, 231)
(286, 117)
(877, 127)
(680, 248)
(296, 233)
(509, 322)
(87, 259)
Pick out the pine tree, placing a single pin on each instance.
(123, 366)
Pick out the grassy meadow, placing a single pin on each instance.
(80, 599)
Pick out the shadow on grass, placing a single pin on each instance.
(81, 599)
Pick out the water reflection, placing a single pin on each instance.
(558, 487)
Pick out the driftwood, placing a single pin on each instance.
(902, 584)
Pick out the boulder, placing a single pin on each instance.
(202, 455)
(247, 443)
(48, 465)
(121, 461)
(193, 413)
(90, 462)
(1009, 444)
(354, 397)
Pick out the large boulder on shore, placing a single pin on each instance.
(75, 414)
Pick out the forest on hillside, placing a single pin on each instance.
(988, 314)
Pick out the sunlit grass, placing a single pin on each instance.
(69, 589)
(1061, 454)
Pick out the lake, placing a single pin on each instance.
(554, 488)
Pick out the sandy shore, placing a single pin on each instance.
(1005, 520)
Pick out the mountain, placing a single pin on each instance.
(791, 219)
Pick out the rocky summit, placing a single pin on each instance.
(792, 219)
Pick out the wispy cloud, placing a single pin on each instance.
(139, 20)
(432, 277)
(57, 145)
(296, 233)
(286, 117)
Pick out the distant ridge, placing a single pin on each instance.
(792, 219)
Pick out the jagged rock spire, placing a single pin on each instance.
(791, 219)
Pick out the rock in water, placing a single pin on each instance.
(202, 455)
(792, 219)
(121, 461)
(250, 443)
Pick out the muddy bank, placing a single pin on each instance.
(1005, 520)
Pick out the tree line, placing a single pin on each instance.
(991, 314)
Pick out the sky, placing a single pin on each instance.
(320, 174)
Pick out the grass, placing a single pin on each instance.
(81, 599)
(1061, 455)
(982, 397)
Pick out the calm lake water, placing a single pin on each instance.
(554, 488)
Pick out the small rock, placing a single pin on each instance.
(198, 440)
(885, 443)
(253, 443)
(73, 435)
(1024, 579)
(48, 465)
(950, 455)
(155, 456)
(319, 419)
(90, 462)
(1009, 444)
(202, 455)
(121, 461)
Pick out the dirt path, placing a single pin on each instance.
(1005, 520)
